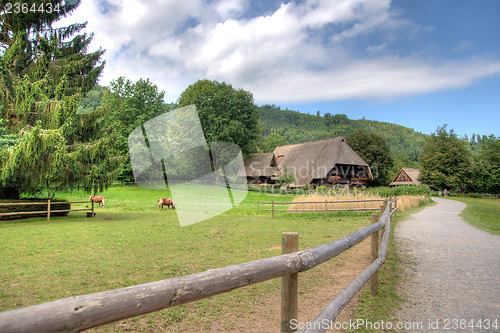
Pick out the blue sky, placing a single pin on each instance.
(418, 63)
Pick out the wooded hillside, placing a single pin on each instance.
(294, 127)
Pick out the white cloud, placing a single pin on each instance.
(300, 52)
(379, 79)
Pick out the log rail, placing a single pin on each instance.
(325, 209)
(48, 203)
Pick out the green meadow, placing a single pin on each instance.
(131, 242)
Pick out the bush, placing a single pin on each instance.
(401, 190)
(322, 189)
(32, 208)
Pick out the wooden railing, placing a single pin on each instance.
(325, 209)
(82, 312)
(48, 211)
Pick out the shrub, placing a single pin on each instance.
(322, 189)
(401, 190)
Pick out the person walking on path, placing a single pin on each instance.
(452, 272)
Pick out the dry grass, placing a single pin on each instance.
(317, 201)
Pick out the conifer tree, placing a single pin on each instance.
(44, 72)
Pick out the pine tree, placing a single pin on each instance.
(44, 72)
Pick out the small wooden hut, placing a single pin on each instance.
(406, 176)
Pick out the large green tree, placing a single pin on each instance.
(44, 72)
(376, 152)
(270, 142)
(226, 114)
(445, 161)
(486, 166)
(125, 105)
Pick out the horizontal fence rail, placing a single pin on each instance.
(86, 311)
(48, 203)
(325, 210)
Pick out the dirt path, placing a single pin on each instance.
(452, 270)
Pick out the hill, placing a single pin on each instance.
(287, 126)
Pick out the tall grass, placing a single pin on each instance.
(317, 201)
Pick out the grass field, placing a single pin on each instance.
(482, 213)
(130, 242)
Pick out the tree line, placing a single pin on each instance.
(58, 128)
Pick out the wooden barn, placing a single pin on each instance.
(406, 176)
(261, 169)
(323, 162)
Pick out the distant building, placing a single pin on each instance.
(406, 176)
(262, 169)
(323, 162)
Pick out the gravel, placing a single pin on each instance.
(452, 272)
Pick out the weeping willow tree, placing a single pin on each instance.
(44, 72)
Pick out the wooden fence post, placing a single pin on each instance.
(326, 206)
(374, 255)
(395, 207)
(48, 210)
(382, 210)
(93, 214)
(289, 284)
(382, 207)
(258, 206)
(272, 209)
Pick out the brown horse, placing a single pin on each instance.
(99, 199)
(165, 202)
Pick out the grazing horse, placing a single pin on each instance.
(99, 199)
(165, 202)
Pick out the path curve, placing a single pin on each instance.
(452, 272)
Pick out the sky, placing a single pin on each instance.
(417, 63)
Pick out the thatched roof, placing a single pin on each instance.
(261, 165)
(406, 176)
(314, 160)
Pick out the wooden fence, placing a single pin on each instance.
(48, 211)
(86, 311)
(326, 202)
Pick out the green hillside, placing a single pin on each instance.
(287, 126)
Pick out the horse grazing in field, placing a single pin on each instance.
(99, 199)
(165, 202)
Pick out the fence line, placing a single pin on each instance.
(325, 210)
(87, 311)
(48, 211)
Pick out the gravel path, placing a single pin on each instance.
(452, 270)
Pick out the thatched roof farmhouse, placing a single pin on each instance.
(322, 162)
(406, 176)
